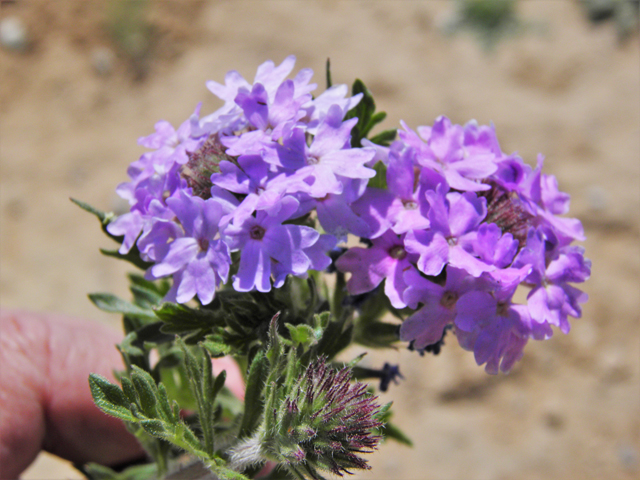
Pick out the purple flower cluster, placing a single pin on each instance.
(460, 226)
(244, 179)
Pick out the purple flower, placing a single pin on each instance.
(495, 329)
(552, 299)
(171, 145)
(230, 117)
(264, 241)
(197, 260)
(251, 176)
(443, 150)
(425, 326)
(317, 109)
(454, 219)
(318, 166)
(336, 215)
(387, 259)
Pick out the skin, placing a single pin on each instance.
(45, 402)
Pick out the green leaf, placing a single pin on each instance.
(328, 74)
(216, 347)
(253, 395)
(132, 256)
(385, 138)
(147, 391)
(393, 432)
(128, 345)
(302, 334)
(110, 303)
(154, 427)
(380, 180)
(336, 337)
(94, 471)
(110, 398)
(274, 352)
(226, 473)
(181, 319)
(105, 218)
(373, 121)
(129, 390)
(376, 334)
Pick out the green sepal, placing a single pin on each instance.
(110, 398)
(110, 303)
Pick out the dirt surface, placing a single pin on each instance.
(75, 101)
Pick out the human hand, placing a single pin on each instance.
(45, 401)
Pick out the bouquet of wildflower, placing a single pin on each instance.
(240, 220)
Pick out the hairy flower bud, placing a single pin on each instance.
(324, 422)
(202, 164)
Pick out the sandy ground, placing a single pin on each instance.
(570, 409)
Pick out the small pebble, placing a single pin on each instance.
(13, 34)
(102, 60)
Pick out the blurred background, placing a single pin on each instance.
(82, 80)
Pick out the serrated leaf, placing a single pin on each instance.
(110, 398)
(110, 303)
